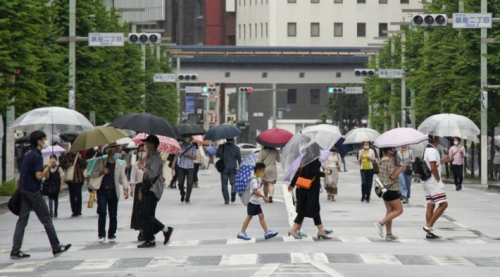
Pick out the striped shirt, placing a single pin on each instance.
(184, 161)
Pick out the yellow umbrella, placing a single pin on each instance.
(99, 136)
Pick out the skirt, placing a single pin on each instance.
(135, 222)
(331, 181)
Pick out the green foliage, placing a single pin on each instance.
(323, 117)
(9, 187)
(347, 109)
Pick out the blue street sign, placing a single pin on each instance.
(472, 20)
(288, 108)
(190, 105)
(106, 39)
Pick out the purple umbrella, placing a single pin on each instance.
(398, 137)
(53, 150)
(211, 150)
(298, 162)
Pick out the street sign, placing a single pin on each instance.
(164, 78)
(484, 99)
(288, 108)
(390, 73)
(280, 114)
(354, 90)
(472, 20)
(190, 105)
(106, 39)
(193, 89)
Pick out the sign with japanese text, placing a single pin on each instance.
(390, 73)
(106, 39)
(472, 20)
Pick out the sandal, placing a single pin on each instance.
(329, 198)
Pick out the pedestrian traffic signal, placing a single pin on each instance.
(209, 89)
(245, 89)
(144, 38)
(335, 90)
(187, 77)
(429, 20)
(364, 72)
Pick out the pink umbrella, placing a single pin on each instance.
(167, 145)
(398, 137)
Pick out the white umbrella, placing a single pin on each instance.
(361, 134)
(450, 125)
(324, 135)
(398, 137)
(52, 120)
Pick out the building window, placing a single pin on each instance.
(249, 30)
(267, 31)
(240, 3)
(239, 31)
(302, 74)
(255, 30)
(361, 29)
(315, 96)
(406, 1)
(381, 28)
(382, 1)
(337, 29)
(338, 74)
(292, 1)
(361, 1)
(292, 96)
(261, 30)
(337, 1)
(244, 31)
(314, 29)
(315, 1)
(292, 29)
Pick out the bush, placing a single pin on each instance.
(9, 187)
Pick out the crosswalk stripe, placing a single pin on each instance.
(243, 259)
(387, 259)
(451, 260)
(23, 267)
(168, 261)
(95, 264)
(266, 270)
(354, 239)
(300, 258)
(126, 245)
(75, 248)
(413, 240)
(240, 241)
(184, 243)
(471, 240)
(292, 239)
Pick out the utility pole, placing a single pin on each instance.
(9, 141)
(178, 88)
(393, 116)
(72, 58)
(484, 110)
(274, 105)
(403, 82)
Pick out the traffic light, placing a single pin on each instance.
(209, 90)
(335, 90)
(245, 89)
(364, 72)
(429, 20)
(134, 38)
(187, 77)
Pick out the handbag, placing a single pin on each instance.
(14, 204)
(304, 183)
(70, 171)
(379, 188)
(220, 165)
(95, 179)
(90, 205)
(376, 168)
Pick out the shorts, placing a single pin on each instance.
(391, 195)
(253, 209)
(434, 192)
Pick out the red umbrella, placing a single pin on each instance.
(274, 137)
(167, 145)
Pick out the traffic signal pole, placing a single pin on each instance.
(274, 105)
(484, 113)
(72, 55)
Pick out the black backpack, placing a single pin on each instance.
(422, 169)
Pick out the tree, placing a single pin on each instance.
(347, 109)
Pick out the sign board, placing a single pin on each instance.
(472, 20)
(280, 114)
(164, 78)
(390, 73)
(258, 114)
(288, 108)
(189, 105)
(354, 90)
(106, 39)
(193, 89)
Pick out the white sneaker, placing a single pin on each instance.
(112, 239)
(391, 237)
(102, 239)
(380, 229)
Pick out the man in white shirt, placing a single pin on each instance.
(434, 187)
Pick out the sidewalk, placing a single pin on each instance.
(4, 200)
(471, 183)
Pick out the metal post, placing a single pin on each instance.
(178, 88)
(403, 82)
(92, 117)
(484, 112)
(158, 52)
(206, 107)
(72, 56)
(393, 116)
(143, 62)
(217, 108)
(9, 142)
(1, 152)
(274, 105)
(412, 114)
(370, 110)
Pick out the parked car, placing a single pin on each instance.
(248, 149)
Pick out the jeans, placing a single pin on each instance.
(150, 224)
(343, 161)
(458, 173)
(185, 173)
(405, 184)
(107, 200)
(228, 175)
(53, 202)
(366, 183)
(33, 200)
(300, 218)
(75, 197)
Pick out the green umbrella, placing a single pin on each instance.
(98, 136)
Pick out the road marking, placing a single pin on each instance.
(290, 208)
(184, 243)
(328, 270)
(244, 259)
(380, 259)
(292, 239)
(240, 241)
(301, 258)
(168, 261)
(75, 248)
(266, 270)
(23, 267)
(95, 264)
(354, 239)
(451, 260)
(413, 240)
(472, 240)
(460, 224)
(129, 245)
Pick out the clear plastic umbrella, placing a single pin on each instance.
(361, 134)
(302, 148)
(324, 135)
(52, 120)
(450, 125)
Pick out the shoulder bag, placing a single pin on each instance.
(220, 165)
(70, 171)
(375, 166)
(454, 154)
(304, 183)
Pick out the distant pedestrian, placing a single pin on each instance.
(173, 168)
(366, 158)
(231, 156)
(151, 192)
(405, 156)
(75, 185)
(31, 174)
(184, 162)
(254, 207)
(136, 178)
(53, 185)
(197, 164)
(388, 174)
(457, 155)
(269, 156)
(333, 166)
(496, 163)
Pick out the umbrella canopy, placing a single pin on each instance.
(325, 135)
(124, 141)
(418, 149)
(69, 137)
(298, 163)
(222, 132)
(190, 129)
(52, 120)
(99, 136)
(246, 170)
(398, 137)
(302, 148)
(127, 132)
(25, 139)
(200, 140)
(167, 145)
(450, 125)
(146, 123)
(211, 150)
(361, 134)
(274, 137)
(53, 150)
(342, 148)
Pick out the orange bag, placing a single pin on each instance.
(304, 183)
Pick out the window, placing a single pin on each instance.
(240, 3)
(381, 28)
(292, 96)
(315, 96)
(361, 1)
(256, 30)
(405, 1)
(239, 31)
(244, 31)
(267, 31)
(315, 1)
(382, 1)
(361, 29)
(292, 29)
(261, 30)
(292, 1)
(338, 74)
(337, 1)
(314, 29)
(337, 29)
(249, 30)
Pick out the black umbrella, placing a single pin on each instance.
(190, 129)
(25, 139)
(146, 123)
(222, 132)
(69, 137)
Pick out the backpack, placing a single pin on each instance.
(245, 196)
(422, 169)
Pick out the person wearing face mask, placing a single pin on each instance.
(108, 193)
(366, 158)
(184, 162)
(136, 177)
(405, 156)
(332, 165)
(53, 185)
(457, 154)
(75, 185)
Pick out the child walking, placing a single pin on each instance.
(253, 207)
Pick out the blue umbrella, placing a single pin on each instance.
(342, 148)
(211, 150)
(222, 132)
(246, 170)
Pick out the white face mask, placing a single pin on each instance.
(143, 154)
(96, 148)
(366, 147)
(45, 144)
(145, 148)
(455, 142)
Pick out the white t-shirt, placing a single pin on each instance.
(432, 155)
(255, 184)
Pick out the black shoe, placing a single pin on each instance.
(60, 250)
(459, 187)
(367, 200)
(55, 214)
(363, 199)
(168, 235)
(51, 214)
(226, 203)
(182, 198)
(233, 197)
(147, 244)
(270, 199)
(19, 255)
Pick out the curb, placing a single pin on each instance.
(4, 204)
(495, 187)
